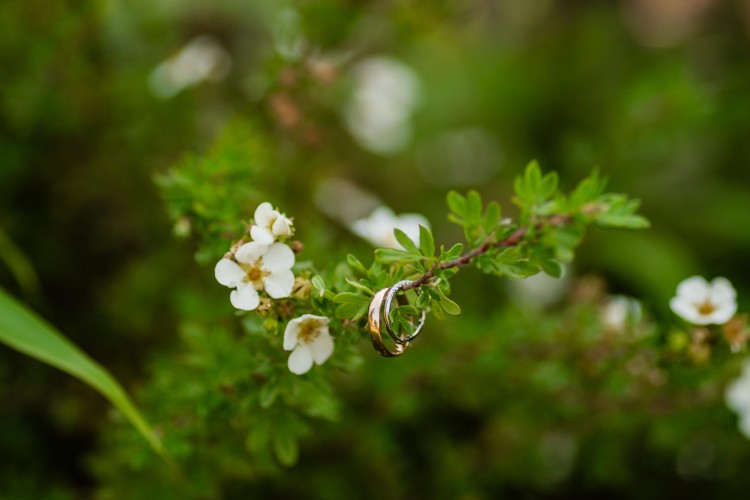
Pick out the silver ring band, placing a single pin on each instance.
(390, 294)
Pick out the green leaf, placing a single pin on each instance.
(619, 211)
(426, 242)
(268, 395)
(438, 311)
(359, 286)
(355, 264)
(350, 298)
(351, 310)
(447, 304)
(405, 241)
(491, 217)
(533, 177)
(455, 251)
(390, 255)
(456, 204)
(473, 207)
(24, 331)
(552, 268)
(286, 448)
(318, 283)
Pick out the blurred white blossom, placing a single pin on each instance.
(619, 312)
(270, 225)
(257, 267)
(310, 342)
(377, 228)
(737, 398)
(703, 303)
(201, 59)
(539, 291)
(378, 115)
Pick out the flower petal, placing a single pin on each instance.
(228, 273)
(262, 235)
(265, 214)
(722, 291)
(322, 348)
(694, 288)
(301, 360)
(249, 253)
(737, 395)
(282, 226)
(723, 313)
(687, 310)
(291, 332)
(279, 284)
(245, 298)
(278, 257)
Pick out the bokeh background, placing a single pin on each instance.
(523, 396)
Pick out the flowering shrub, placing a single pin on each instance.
(317, 130)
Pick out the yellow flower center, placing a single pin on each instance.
(309, 331)
(255, 274)
(706, 308)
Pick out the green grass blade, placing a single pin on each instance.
(23, 330)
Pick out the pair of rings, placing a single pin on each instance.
(380, 307)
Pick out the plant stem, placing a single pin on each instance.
(513, 240)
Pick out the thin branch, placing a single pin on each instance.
(513, 240)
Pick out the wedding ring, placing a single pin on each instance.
(390, 294)
(373, 323)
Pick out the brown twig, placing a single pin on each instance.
(511, 241)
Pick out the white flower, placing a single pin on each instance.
(378, 115)
(202, 59)
(377, 228)
(703, 303)
(540, 290)
(270, 225)
(258, 267)
(309, 340)
(619, 312)
(737, 398)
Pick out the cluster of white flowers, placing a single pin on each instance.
(265, 264)
(737, 398)
(702, 303)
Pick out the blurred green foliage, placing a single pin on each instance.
(508, 399)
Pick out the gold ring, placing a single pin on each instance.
(373, 324)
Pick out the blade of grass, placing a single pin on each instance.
(24, 331)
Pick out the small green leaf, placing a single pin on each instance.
(351, 310)
(426, 242)
(355, 263)
(449, 306)
(359, 286)
(457, 204)
(405, 241)
(455, 251)
(438, 311)
(268, 395)
(286, 448)
(473, 207)
(390, 255)
(491, 217)
(318, 283)
(350, 298)
(552, 268)
(533, 177)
